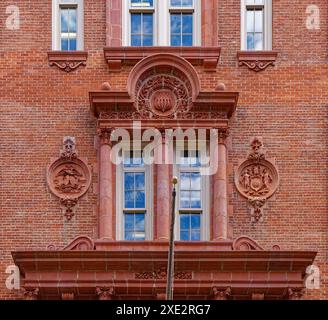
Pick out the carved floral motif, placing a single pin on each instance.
(257, 179)
(161, 274)
(69, 177)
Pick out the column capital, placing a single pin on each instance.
(105, 293)
(104, 135)
(223, 134)
(221, 294)
(31, 293)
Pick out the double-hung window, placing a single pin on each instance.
(67, 25)
(134, 198)
(161, 22)
(192, 198)
(256, 25)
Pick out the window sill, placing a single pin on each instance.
(257, 60)
(67, 60)
(208, 57)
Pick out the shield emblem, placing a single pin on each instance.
(256, 183)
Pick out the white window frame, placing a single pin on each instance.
(205, 209)
(56, 22)
(267, 25)
(120, 209)
(161, 30)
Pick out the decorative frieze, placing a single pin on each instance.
(257, 179)
(69, 177)
(161, 274)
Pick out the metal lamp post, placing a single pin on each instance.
(170, 264)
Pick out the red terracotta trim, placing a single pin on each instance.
(110, 101)
(67, 60)
(257, 60)
(206, 56)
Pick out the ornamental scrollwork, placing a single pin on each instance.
(69, 177)
(257, 179)
(161, 274)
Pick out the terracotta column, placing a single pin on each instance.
(163, 196)
(221, 294)
(105, 293)
(220, 200)
(113, 23)
(105, 186)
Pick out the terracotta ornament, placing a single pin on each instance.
(257, 179)
(69, 177)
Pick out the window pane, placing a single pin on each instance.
(148, 24)
(181, 3)
(140, 200)
(258, 41)
(134, 226)
(187, 21)
(184, 222)
(250, 41)
(147, 41)
(72, 44)
(258, 21)
(185, 181)
(184, 236)
(190, 227)
(250, 20)
(195, 181)
(185, 199)
(129, 222)
(129, 199)
(140, 181)
(64, 20)
(140, 222)
(72, 20)
(142, 3)
(129, 181)
(195, 235)
(136, 23)
(175, 23)
(175, 41)
(195, 221)
(195, 201)
(64, 44)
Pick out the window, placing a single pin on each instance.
(256, 30)
(134, 198)
(67, 25)
(192, 198)
(161, 23)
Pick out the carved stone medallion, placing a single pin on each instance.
(69, 177)
(257, 179)
(165, 94)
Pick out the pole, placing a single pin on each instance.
(170, 264)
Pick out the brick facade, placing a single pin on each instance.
(286, 105)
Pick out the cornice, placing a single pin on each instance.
(67, 60)
(208, 57)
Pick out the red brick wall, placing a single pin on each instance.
(287, 105)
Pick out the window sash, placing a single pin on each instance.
(266, 7)
(57, 6)
(161, 21)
